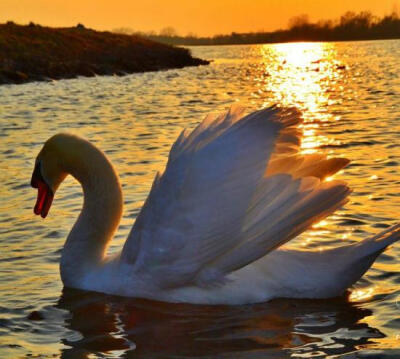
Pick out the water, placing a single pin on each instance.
(350, 95)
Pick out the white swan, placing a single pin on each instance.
(234, 190)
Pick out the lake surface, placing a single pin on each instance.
(350, 95)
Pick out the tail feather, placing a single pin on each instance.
(359, 257)
(378, 243)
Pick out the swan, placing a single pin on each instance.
(234, 190)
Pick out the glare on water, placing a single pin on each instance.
(349, 96)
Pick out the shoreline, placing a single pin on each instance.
(36, 53)
(289, 42)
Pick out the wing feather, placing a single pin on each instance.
(234, 188)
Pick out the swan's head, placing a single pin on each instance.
(65, 154)
(48, 173)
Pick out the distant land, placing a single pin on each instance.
(349, 27)
(37, 53)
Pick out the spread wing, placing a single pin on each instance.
(234, 189)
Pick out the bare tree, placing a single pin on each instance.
(168, 31)
(298, 21)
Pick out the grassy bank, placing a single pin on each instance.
(35, 53)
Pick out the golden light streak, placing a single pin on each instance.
(361, 294)
(301, 75)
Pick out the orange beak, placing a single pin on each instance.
(45, 194)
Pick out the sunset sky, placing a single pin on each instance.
(202, 17)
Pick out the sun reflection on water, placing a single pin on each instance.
(305, 72)
(303, 75)
(361, 294)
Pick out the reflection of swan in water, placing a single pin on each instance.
(121, 327)
(234, 189)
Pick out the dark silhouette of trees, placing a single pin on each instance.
(350, 26)
(298, 21)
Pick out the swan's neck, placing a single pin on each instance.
(88, 240)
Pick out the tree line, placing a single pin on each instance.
(350, 26)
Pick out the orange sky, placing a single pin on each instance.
(203, 17)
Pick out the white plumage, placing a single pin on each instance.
(234, 190)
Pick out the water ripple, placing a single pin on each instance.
(349, 93)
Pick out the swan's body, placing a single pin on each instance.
(234, 190)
